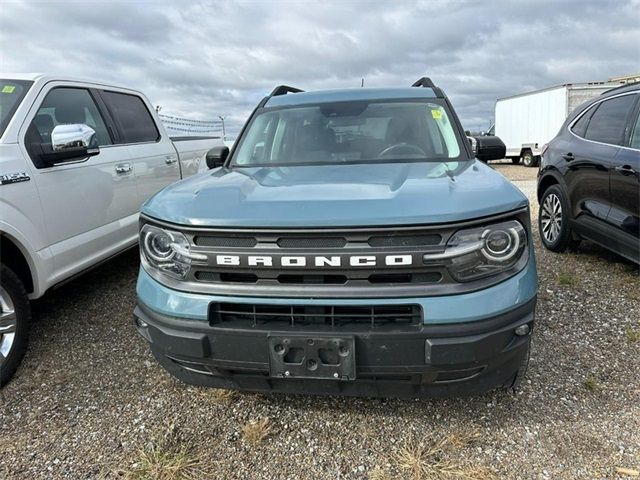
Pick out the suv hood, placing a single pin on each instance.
(337, 195)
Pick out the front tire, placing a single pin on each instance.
(529, 160)
(15, 316)
(553, 221)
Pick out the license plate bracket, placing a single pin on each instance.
(305, 356)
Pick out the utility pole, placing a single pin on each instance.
(224, 133)
(362, 83)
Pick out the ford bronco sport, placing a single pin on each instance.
(349, 243)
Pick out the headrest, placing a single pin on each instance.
(43, 122)
(70, 113)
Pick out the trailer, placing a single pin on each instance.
(527, 121)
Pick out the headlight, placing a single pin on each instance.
(483, 251)
(167, 251)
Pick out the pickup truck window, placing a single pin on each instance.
(351, 132)
(11, 94)
(64, 105)
(135, 121)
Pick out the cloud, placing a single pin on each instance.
(204, 59)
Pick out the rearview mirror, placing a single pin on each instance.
(217, 156)
(68, 142)
(490, 148)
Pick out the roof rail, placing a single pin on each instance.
(283, 90)
(629, 84)
(424, 82)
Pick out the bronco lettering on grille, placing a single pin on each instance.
(314, 261)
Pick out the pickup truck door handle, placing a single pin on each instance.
(170, 159)
(624, 169)
(123, 168)
(568, 156)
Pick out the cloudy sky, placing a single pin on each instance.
(204, 59)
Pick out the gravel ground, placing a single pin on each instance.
(90, 401)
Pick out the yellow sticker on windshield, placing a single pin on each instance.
(437, 114)
(8, 88)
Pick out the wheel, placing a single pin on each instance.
(553, 221)
(515, 160)
(529, 160)
(15, 314)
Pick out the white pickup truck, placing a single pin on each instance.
(77, 160)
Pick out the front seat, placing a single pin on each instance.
(44, 124)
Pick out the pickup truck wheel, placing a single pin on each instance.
(553, 221)
(529, 160)
(515, 160)
(15, 314)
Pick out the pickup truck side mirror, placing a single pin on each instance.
(217, 156)
(490, 147)
(68, 142)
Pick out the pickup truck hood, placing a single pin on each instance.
(337, 195)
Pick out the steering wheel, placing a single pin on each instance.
(402, 149)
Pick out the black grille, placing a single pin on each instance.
(429, 277)
(405, 240)
(312, 242)
(318, 278)
(229, 242)
(232, 277)
(312, 279)
(249, 314)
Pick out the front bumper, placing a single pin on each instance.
(432, 360)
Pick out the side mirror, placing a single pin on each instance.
(217, 156)
(490, 148)
(69, 142)
(473, 144)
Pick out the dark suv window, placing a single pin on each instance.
(134, 118)
(580, 127)
(609, 120)
(635, 134)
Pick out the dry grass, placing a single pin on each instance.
(633, 335)
(378, 473)
(432, 459)
(592, 384)
(565, 278)
(256, 431)
(167, 458)
(224, 396)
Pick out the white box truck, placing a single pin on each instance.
(526, 122)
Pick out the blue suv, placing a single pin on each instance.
(349, 243)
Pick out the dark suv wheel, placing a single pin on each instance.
(553, 220)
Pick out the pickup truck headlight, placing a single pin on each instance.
(483, 251)
(167, 251)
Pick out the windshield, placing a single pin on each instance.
(349, 132)
(11, 94)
